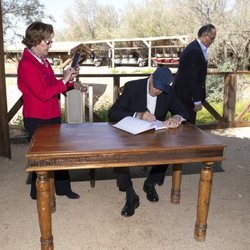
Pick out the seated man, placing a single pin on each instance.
(148, 99)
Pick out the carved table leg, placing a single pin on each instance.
(176, 183)
(52, 191)
(205, 186)
(44, 210)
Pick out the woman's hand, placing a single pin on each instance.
(70, 73)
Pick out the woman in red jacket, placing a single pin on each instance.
(39, 86)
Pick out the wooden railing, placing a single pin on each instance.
(226, 120)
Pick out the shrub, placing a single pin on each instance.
(18, 122)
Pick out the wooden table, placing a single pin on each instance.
(100, 145)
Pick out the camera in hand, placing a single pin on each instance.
(76, 59)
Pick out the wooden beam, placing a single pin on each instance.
(15, 108)
(230, 83)
(213, 112)
(241, 115)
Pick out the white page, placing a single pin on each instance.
(134, 125)
(159, 125)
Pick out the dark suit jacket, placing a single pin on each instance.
(134, 99)
(191, 75)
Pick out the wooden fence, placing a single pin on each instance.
(226, 120)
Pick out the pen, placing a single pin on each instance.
(147, 109)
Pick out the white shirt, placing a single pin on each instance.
(151, 104)
(203, 48)
(151, 100)
(38, 58)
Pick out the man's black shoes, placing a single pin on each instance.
(133, 203)
(130, 206)
(149, 189)
(71, 195)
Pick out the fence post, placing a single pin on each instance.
(5, 149)
(116, 87)
(91, 103)
(230, 82)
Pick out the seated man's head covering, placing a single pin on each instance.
(162, 79)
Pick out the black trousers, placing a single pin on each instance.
(188, 105)
(62, 182)
(156, 175)
(191, 113)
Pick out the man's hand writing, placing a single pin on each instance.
(147, 116)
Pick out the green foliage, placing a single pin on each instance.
(120, 72)
(240, 106)
(63, 115)
(144, 71)
(215, 88)
(102, 110)
(18, 122)
(136, 71)
(102, 113)
(215, 83)
(204, 117)
(228, 65)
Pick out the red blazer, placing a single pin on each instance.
(39, 87)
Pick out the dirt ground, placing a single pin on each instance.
(94, 221)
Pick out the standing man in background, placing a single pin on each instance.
(190, 78)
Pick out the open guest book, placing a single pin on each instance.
(136, 126)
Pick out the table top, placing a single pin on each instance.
(96, 145)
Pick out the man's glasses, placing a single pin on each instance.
(48, 42)
(211, 38)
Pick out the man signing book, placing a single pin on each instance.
(148, 99)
